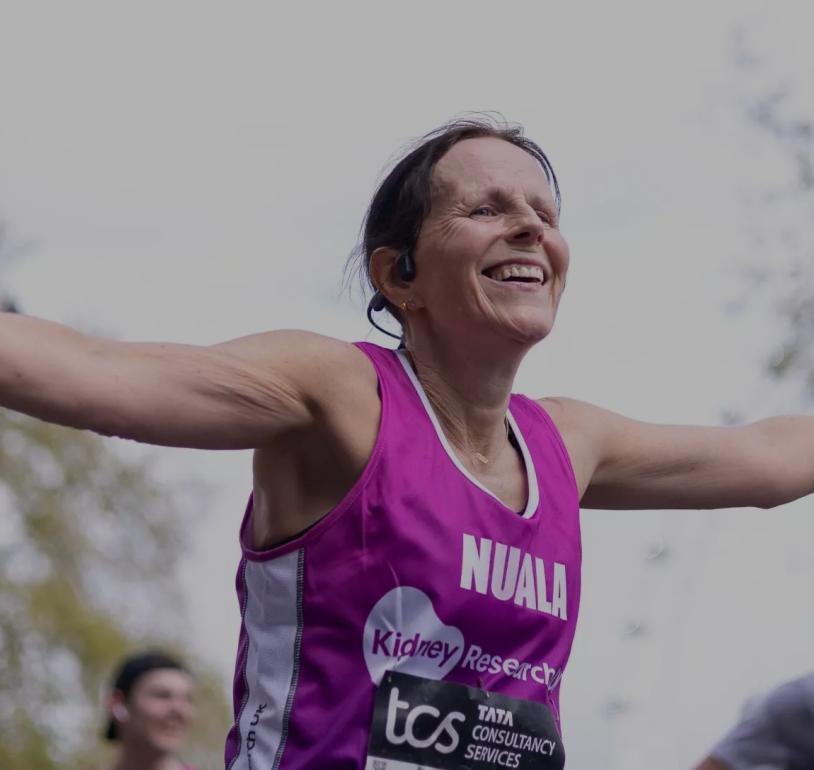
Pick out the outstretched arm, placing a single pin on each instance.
(237, 395)
(623, 463)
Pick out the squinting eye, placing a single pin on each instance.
(484, 211)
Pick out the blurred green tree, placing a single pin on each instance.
(89, 543)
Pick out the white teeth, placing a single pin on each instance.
(504, 272)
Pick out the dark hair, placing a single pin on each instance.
(403, 199)
(130, 670)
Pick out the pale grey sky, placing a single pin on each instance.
(195, 171)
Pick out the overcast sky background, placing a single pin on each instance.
(194, 171)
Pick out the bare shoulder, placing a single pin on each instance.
(580, 425)
(304, 350)
(568, 412)
(321, 368)
(602, 427)
(572, 410)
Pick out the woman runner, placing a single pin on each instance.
(411, 554)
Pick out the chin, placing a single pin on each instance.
(168, 744)
(531, 329)
(532, 338)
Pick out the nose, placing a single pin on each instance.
(527, 228)
(181, 708)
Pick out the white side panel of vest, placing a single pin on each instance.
(273, 623)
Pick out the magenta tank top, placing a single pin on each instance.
(419, 569)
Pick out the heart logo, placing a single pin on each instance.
(403, 633)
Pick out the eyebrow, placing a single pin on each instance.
(158, 689)
(500, 194)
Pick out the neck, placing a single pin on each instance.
(145, 758)
(469, 392)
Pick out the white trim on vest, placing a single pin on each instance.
(531, 475)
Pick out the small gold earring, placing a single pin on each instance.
(404, 305)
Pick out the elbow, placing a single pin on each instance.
(767, 505)
(781, 462)
(770, 492)
(776, 492)
(95, 411)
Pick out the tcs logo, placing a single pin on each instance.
(422, 727)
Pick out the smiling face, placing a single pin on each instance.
(159, 710)
(490, 258)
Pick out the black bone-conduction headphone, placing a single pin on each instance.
(405, 264)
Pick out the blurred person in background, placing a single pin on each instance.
(775, 732)
(150, 707)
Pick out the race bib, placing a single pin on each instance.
(423, 724)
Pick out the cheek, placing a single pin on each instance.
(559, 254)
(448, 246)
(154, 711)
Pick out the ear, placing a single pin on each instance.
(385, 276)
(117, 706)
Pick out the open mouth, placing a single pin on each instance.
(514, 273)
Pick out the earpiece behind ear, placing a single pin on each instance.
(120, 711)
(406, 270)
(377, 303)
(406, 266)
